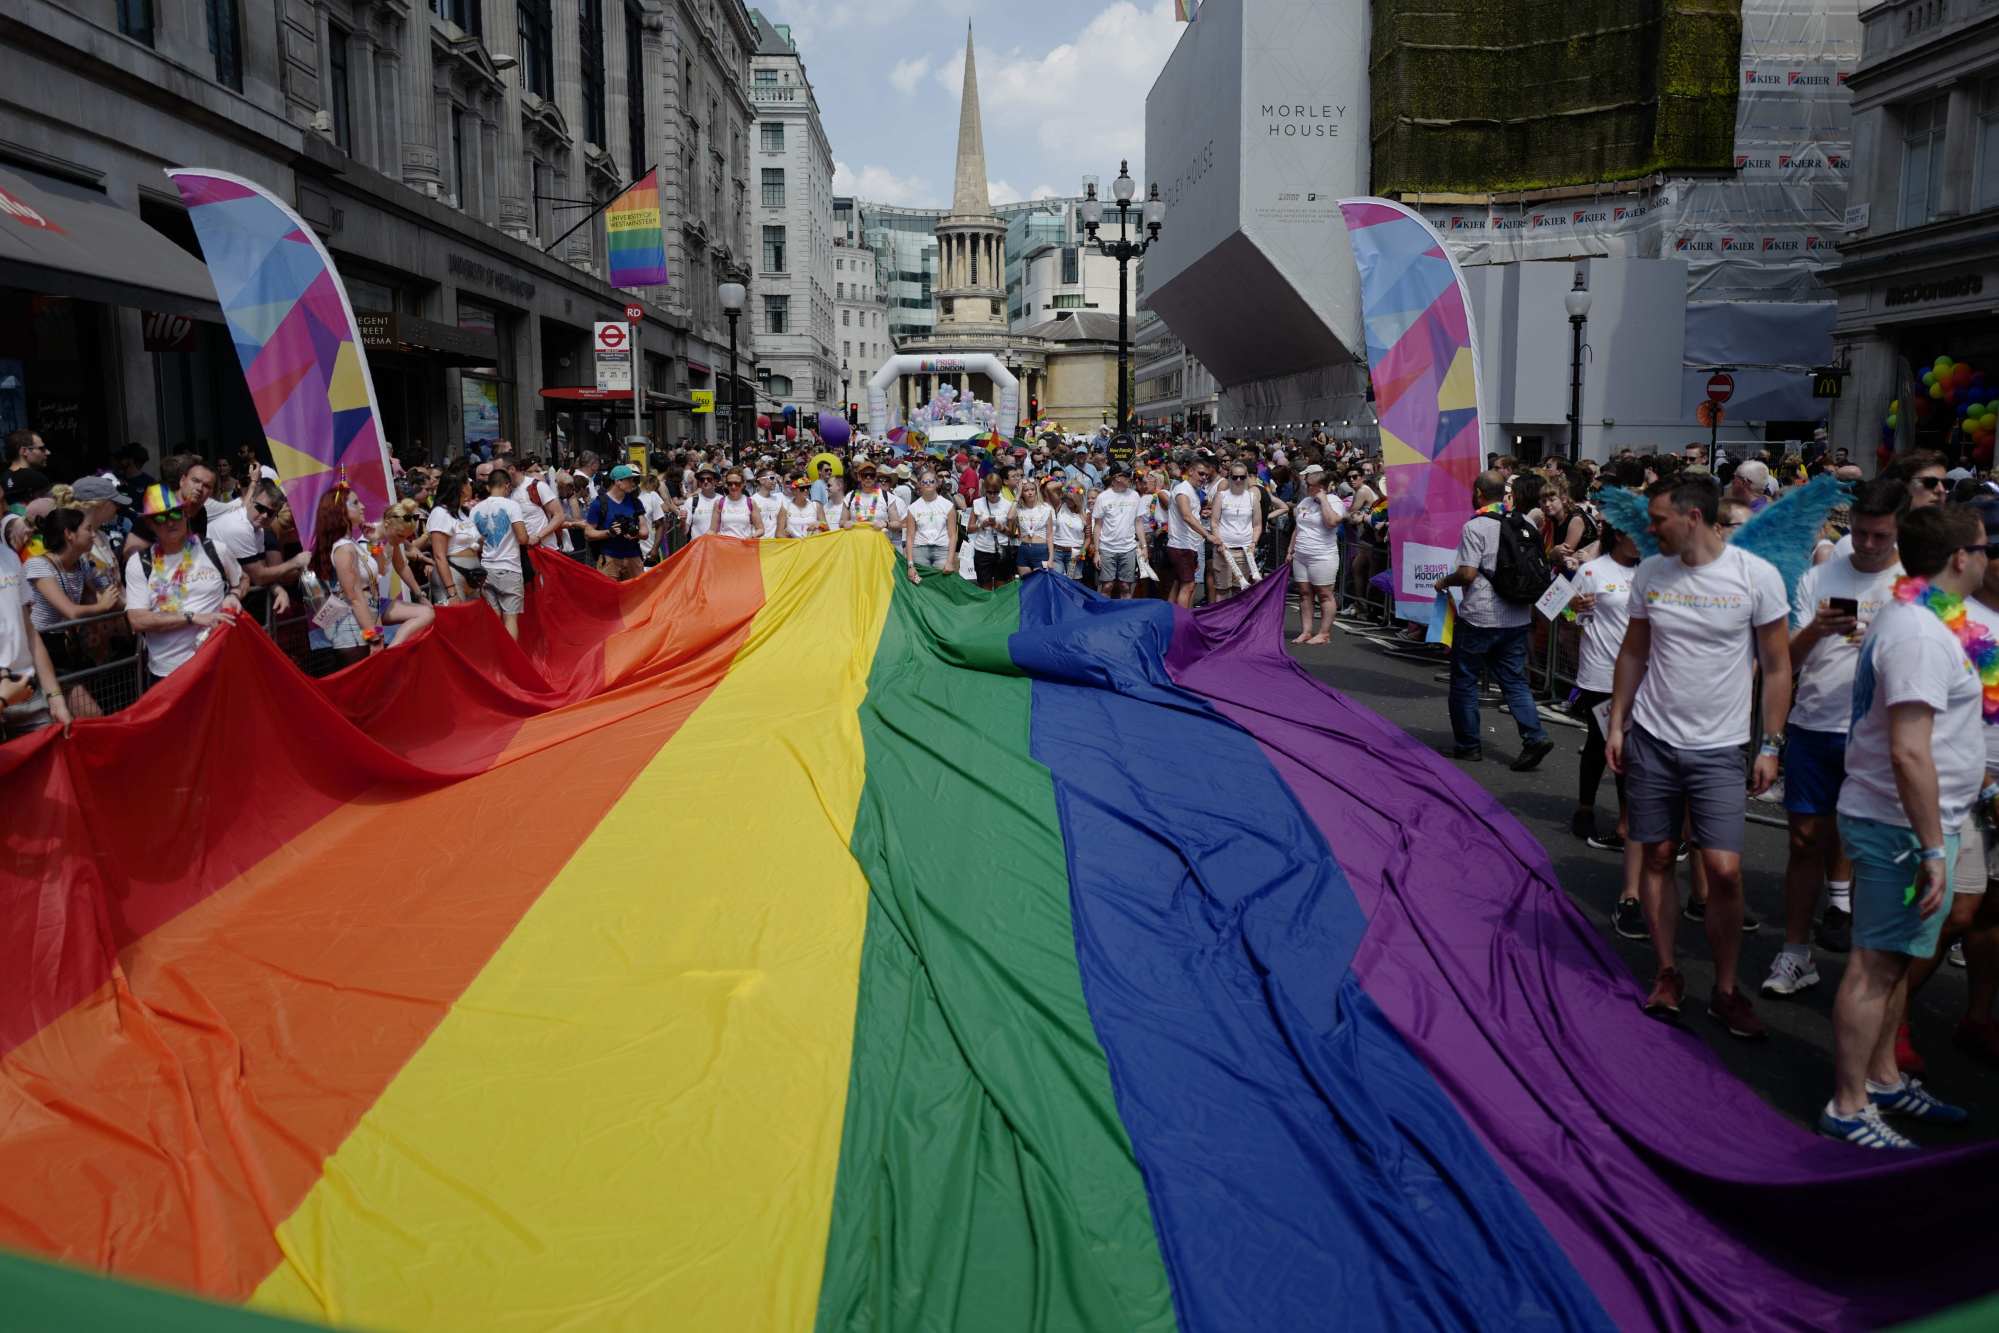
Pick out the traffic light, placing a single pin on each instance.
(1033, 409)
(853, 414)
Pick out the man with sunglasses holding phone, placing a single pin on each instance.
(1834, 604)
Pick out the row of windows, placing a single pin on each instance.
(225, 33)
(1924, 126)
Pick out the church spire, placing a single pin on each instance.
(968, 197)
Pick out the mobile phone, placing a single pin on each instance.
(1846, 606)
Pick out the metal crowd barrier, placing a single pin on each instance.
(116, 672)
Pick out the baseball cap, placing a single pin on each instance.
(1313, 471)
(91, 490)
(624, 472)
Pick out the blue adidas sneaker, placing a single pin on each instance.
(1864, 1129)
(1913, 1100)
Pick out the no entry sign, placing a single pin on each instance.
(1720, 387)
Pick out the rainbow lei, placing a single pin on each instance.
(1975, 639)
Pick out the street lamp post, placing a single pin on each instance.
(1577, 300)
(1124, 249)
(732, 295)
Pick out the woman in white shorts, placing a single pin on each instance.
(1315, 556)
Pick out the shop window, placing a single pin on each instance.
(774, 249)
(537, 41)
(777, 314)
(135, 20)
(225, 42)
(590, 28)
(485, 392)
(1922, 159)
(635, 84)
(340, 86)
(1988, 145)
(464, 13)
(773, 187)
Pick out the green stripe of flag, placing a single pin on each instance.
(985, 1180)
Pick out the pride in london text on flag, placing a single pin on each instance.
(632, 222)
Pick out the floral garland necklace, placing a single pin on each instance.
(167, 588)
(1974, 637)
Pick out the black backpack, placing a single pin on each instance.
(1520, 572)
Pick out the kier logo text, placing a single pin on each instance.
(1777, 243)
(1814, 242)
(1692, 244)
(1752, 79)
(1581, 216)
(1799, 79)
(1629, 214)
(1466, 224)
(1744, 162)
(1734, 245)
(1549, 219)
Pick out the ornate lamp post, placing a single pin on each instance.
(733, 295)
(1577, 299)
(1124, 249)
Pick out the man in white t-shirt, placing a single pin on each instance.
(1491, 634)
(1679, 718)
(654, 509)
(1832, 608)
(539, 505)
(1186, 533)
(1914, 766)
(178, 586)
(1115, 516)
(502, 534)
(239, 532)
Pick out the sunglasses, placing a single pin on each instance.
(265, 510)
(735, 481)
(1238, 476)
(1928, 483)
(170, 516)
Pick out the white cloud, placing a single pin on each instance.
(879, 185)
(999, 192)
(908, 73)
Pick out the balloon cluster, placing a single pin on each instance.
(1959, 391)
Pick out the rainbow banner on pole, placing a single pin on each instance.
(296, 340)
(638, 248)
(1424, 362)
(769, 943)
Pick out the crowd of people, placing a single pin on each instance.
(1865, 699)
(1859, 698)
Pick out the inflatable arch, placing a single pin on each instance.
(1007, 409)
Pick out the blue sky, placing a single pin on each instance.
(1062, 84)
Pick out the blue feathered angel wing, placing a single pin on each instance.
(1626, 510)
(1786, 531)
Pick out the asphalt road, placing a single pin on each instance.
(1792, 1070)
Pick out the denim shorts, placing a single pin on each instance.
(1886, 915)
(1028, 556)
(931, 557)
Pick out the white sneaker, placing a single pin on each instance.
(1790, 974)
(1864, 1128)
(1957, 953)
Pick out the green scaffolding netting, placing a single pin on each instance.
(1493, 95)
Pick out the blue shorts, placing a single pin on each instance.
(1886, 917)
(1814, 766)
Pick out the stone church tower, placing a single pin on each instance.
(971, 241)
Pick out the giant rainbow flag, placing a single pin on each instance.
(770, 943)
(1416, 317)
(295, 337)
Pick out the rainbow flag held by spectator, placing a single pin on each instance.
(633, 228)
(772, 943)
(296, 339)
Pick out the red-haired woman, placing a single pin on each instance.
(353, 615)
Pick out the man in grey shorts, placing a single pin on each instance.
(1679, 717)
